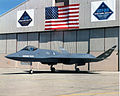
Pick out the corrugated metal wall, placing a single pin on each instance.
(97, 40)
(70, 41)
(11, 43)
(44, 40)
(83, 41)
(56, 40)
(111, 37)
(80, 41)
(3, 43)
(33, 39)
(21, 41)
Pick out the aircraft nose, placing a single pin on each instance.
(9, 56)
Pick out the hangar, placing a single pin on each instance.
(95, 30)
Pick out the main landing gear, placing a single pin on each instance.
(31, 68)
(52, 68)
(77, 69)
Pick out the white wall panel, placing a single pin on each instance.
(21, 41)
(56, 40)
(97, 40)
(111, 38)
(44, 40)
(11, 43)
(82, 41)
(33, 39)
(70, 41)
(3, 44)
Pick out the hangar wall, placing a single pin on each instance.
(94, 41)
(10, 18)
(91, 37)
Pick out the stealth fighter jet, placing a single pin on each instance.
(51, 57)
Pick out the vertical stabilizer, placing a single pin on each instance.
(107, 53)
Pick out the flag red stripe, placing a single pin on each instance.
(62, 24)
(69, 5)
(68, 13)
(68, 9)
(61, 21)
(61, 28)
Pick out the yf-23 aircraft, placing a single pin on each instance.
(51, 57)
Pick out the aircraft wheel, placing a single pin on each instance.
(31, 72)
(52, 69)
(77, 70)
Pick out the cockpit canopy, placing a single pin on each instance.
(30, 48)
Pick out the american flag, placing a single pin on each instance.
(62, 17)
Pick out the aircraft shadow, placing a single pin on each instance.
(64, 72)
(56, 72)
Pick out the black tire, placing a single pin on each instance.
(31, 71)
(77, 70)
(53, 70)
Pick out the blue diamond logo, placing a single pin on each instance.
(103, 12)
(25, 19)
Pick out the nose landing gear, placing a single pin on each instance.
(77, 69)
(52, 68)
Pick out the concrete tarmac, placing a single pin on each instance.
(17, 82)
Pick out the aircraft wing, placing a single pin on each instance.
(86, 57)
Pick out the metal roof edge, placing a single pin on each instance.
(43, 31)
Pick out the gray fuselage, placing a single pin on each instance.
(50, 56)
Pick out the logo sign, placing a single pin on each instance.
(103, 10)
(25, 63)
(25, 18)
